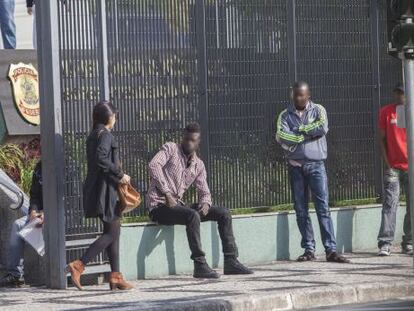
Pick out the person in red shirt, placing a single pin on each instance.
(393, 144)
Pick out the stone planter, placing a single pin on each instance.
(148, 250)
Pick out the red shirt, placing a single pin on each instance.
(396, 137)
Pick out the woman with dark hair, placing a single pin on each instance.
(100, 196)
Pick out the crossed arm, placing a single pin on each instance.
(317, 128)
(291, 137)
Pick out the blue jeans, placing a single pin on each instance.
(312, 176)
(16, 248)
(393, 181)
(7, 25)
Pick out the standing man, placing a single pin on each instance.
(173, 170)
(301, 130)
(7, 25)
(393, 142)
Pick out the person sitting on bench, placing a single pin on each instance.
(173, 170)
(15, 266)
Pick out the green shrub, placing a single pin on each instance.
(26, 173)
(19, 161)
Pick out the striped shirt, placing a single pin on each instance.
(171, 171)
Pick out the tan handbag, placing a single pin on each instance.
(129, 198)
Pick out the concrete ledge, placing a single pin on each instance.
(384, 291)
(298, 299)
(148, 250)
(334, 295)
(267, 214)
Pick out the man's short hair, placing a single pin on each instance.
(193, 127)
(399, 88)
(300, 85)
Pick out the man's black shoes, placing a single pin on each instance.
(233, 266)
(307, 256)
(335, 257)
(330, 257)
(203, 271)
(11, 281)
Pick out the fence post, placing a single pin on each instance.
(201, 41)
(47, 18)
(103, 50)
(376, 91)
(291, 34)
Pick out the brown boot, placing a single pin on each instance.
(76, 268)
(116, 281)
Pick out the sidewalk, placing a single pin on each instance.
(279, 286)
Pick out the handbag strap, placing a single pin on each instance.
(100, 133)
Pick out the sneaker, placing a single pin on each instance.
(407, 249)
(10, 280)
(203, 271)
(384, 250)
(335, 257)
(233, 266)
(307, 256)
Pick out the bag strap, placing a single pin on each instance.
(99, 133)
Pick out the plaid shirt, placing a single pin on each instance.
(173, 172)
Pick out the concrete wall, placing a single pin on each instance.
(148, 250)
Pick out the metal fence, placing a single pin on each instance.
(227, 64)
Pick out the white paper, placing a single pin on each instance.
(33, 235)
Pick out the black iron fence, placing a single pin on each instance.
(227, 64)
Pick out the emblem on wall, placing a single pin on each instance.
(25, 86)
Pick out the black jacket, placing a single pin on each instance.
(100, 196)
(30, 3)
(36, 197)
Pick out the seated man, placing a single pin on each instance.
(15, 275)
(173, 170)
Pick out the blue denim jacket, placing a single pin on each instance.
(303, 139)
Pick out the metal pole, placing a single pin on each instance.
(47, 23)
(103, 51)
(376, 91)
(202, 81)
(409, 115)
(291, 30)
(409, 91)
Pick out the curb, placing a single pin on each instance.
(299, 299)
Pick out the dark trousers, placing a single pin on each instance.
(109, 240)
(189, 216)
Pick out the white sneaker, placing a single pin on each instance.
(384, 250)
(408, 250)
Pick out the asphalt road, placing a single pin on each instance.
(398, 305)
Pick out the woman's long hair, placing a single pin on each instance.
(103, 112)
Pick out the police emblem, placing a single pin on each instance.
(25, 86)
